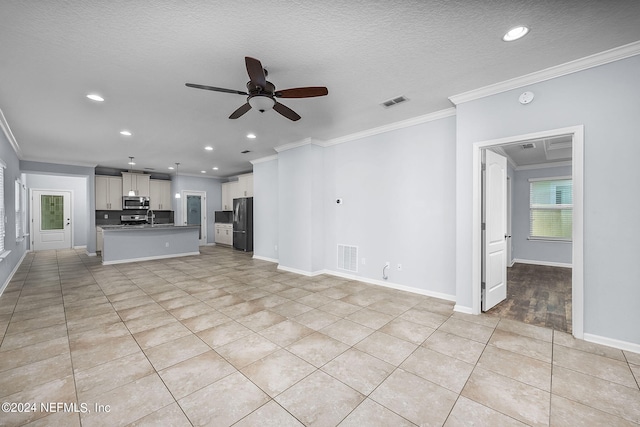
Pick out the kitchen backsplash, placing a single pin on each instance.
(113, 217)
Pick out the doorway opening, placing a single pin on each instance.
(51, 220)
(194, 211)
(575, 138)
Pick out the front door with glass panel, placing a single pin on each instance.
(51, 221)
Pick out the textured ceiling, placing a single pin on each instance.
(139, 54)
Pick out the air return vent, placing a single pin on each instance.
(348, 258)
(528, 145)
(394, 101)
(245, 151)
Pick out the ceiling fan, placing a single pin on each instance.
(261, 93)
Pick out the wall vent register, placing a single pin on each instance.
(348, 258)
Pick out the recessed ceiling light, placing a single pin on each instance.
(203, 171)
(251, 136)
(515, 33)
(215, 168)
(171, 168)
(125, 133)
(95, 97)
(208, 148)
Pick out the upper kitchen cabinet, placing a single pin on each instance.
(245, 185)
(108, 193)
(229, 190)
(137, 182)
(160, 195)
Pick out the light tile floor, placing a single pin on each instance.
(223, 339)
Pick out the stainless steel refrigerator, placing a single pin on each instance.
(243, 224)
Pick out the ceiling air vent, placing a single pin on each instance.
(528, 145)
(394, 101)
(348, 258)
(245, 151)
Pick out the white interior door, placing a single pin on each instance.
(494, 268)
(51, 220)
(194, 211)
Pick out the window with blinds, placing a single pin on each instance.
(551, 209)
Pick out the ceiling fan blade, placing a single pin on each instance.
(255, 71)
(216, 89)
(286, 111)
(302, 92)
(240, 111)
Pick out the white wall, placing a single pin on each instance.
(18, 249)
(265, 210)
(399, 199)
(398, 202)
(300, 210)
(535, 251)
(605, 100)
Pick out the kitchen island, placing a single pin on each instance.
(132, 243)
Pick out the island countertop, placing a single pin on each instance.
(133, 243)
(147, 227)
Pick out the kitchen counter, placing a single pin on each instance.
(132, 243)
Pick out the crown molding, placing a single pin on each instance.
(264, 159)
(292, 145)
(7, 132)
(581, 64)
(437, 115)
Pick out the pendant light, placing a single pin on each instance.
(131, 192)
(177, 192)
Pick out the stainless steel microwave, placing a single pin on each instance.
(135, 202)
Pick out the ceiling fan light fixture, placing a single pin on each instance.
(515, 33)
(261, 103)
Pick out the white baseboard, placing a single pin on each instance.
(463, 309)
(80, 247)
(150, 258)
(385, 284)
(622, 345)
(13, 272)
(264, 258)
(546, 263)
(301, 272)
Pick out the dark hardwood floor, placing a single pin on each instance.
(538, 295)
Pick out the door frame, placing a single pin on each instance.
(31, 223)
(203, 211)
(577, 176)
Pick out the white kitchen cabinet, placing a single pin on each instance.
(108, 193)
(223, 234)
(137, 182)
(160, 195)
(229, 192)
(245, 185)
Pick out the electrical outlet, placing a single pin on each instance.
(399, 267)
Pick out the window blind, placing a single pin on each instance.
(551, 209)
